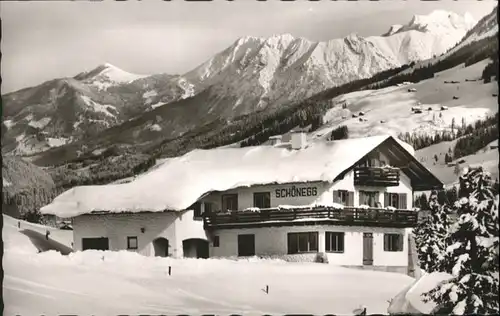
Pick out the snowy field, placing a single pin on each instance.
(486, 157)
(388, 110)
(111, 283)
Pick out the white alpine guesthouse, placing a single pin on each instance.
(350, 199)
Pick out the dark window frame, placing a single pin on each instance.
(223, 206)
(344, 197)
(336, 239)
(294, 241)
(393, 198)
(266, 195)
(393, 242)
(129, 238)
(216, 242)
(208, 207)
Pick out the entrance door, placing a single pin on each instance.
(246, 245)
(195, 248)
(101, 243)
(160, 246)
(368, 249)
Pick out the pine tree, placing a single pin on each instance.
(472, 255)
(430, 235)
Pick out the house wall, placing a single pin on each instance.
(324, 193)
(245, 195)
(347, 183)
(117, 227)
(272, 241)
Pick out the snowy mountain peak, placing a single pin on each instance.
(280, 41)
(393, 29)
(107, 75)
(353, 37)
(440, 19)
(115, 74)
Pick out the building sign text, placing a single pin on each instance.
(296, 192)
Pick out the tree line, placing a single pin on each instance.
(479, 133)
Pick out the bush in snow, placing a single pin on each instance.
(472, 255)
(341, 132)
(430, 235)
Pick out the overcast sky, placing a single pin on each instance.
(53, 39)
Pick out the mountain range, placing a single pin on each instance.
(252, 75)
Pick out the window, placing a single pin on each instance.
(397, 200)
(393, 242)
(207, 207)
(101, 243)
(372, 160)
(392, 199)
(369, 198)
(262, 199)
(132, 242)
(216, 241)
(302, 242)
(343, 197)
(230, 202)
(334, 242)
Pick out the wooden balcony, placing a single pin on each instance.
(376, 176)
(349, 216)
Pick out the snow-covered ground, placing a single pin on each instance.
(111, 283)
(388, 110)
(486, 157)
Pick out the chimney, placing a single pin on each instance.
(275, 140)
(299, 140)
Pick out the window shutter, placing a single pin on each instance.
(386, 242)
(336, 198)
(350, 198)
(402, 201)
(400, 243)
(386, 199)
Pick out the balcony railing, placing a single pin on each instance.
(376, 176)
(319, 215)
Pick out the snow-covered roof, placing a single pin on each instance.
(179, 182)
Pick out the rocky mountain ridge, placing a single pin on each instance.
(254, 74)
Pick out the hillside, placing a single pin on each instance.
(64, 110)
(325, 106)
(254, 74)
(25, 187)
(393, 105)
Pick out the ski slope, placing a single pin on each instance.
(111, 283)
